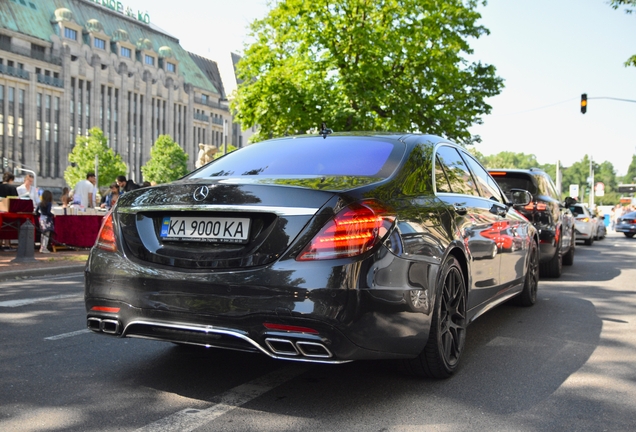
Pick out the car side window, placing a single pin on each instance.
(441, 182)
(457, 173)
(487, 186)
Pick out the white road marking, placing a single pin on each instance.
(66, 335)
(190, 418)
(24, 302)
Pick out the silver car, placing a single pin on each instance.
(585, 225)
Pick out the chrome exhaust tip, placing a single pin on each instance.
(313, 349)
(108, 326)
(281, 346)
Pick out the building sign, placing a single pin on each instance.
(118, 6)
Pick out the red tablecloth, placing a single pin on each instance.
(78, 231)
(10, 224)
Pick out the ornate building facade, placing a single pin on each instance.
(69, 65)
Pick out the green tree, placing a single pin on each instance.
(630, 4)
(82, 160)
(167, 162)
(630, 177)
(508, 159)
(365, 65)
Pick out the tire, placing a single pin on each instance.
(568, 258)
(447, 335)
(629, 235)
(589, 242)
(554, 267)
(528, 295)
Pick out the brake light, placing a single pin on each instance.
(105, 309)
(354, 230)
(497, 173)
(106, 237)
(291, 328)
(538, 206)
(583, 219)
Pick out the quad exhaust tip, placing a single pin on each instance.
(287, 347)
(100, 325)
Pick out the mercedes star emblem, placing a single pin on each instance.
(201, 193)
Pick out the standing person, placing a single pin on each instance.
(126, 185)
(86, 192)
(27, 191)
(7, 188)
(112, 197)
(65, 198)
(46, 220)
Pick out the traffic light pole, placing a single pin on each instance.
(584, 99)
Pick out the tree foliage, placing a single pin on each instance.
(365, 65)
(168, 162)
(82, 160)
(630, 5)
(630, 177)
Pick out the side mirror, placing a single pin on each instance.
(520, 197)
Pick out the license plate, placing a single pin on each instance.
(208, 229)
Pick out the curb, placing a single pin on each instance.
(46, 271)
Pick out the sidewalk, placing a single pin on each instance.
(67, 261)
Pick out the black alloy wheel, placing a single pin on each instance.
(528, 295)
(447, 336)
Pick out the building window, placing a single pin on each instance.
(70, 33)
(99, 43)
(204, 99)
(171, 67)
(149, 60)
(125, 52)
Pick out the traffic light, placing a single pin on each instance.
(583, 103)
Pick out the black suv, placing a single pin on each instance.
(550, 216)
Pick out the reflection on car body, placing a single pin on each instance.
(387, 251)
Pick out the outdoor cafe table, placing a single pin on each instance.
(77, 231)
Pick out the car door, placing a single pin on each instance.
(511, 228)
(474, 221)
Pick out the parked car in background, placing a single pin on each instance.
(317, 248)
(586, 225)
(626, 224)
(601, 230)
(550, 216)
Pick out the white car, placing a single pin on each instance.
(585, 225)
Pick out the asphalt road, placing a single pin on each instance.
(566, 364)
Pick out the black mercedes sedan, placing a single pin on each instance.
(324, 248)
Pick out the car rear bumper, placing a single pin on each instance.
(625, 228)
(327, 312)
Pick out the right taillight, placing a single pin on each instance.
(106, 237)
(354, 230)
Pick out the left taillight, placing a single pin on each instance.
(106, 237)
(353, 231)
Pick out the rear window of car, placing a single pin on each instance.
(577, 211)
(331, 156)
(507, 181)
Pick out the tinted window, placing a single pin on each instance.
(457, 173)
(515, 181)
(546, 187)
(487, 187)
(333, 156)
(441, 182)
(577, 210)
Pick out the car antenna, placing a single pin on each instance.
(324, 130)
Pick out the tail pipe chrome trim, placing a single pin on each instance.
(109, 326)
(282, 349)
(313, 349)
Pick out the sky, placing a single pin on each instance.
(548, 52)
